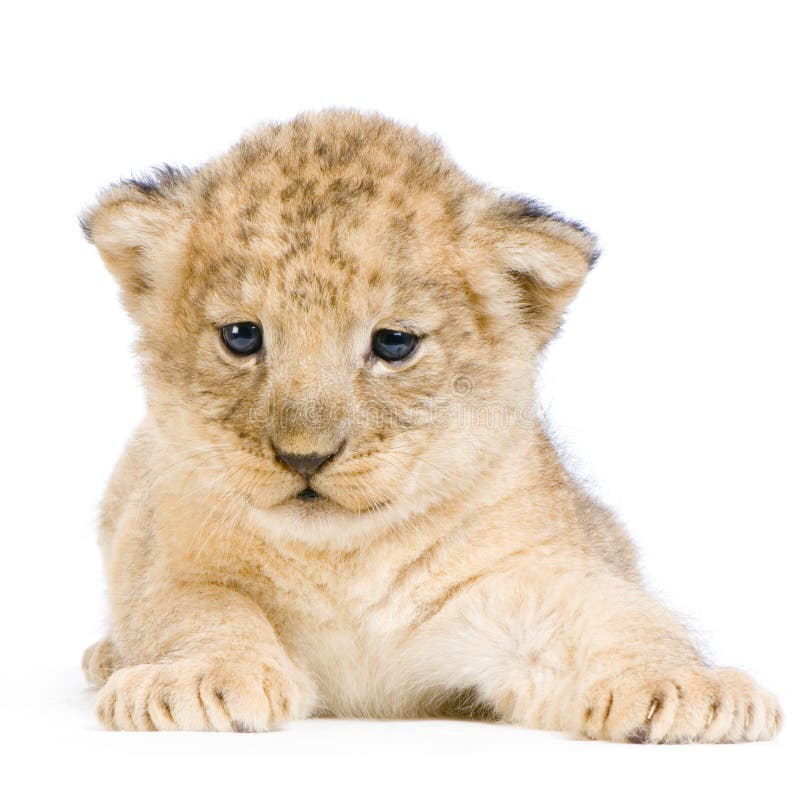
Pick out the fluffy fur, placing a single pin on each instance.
(450, 563)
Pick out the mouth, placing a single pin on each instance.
(309, 501)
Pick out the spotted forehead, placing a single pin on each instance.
(315, 216)
(313, 290)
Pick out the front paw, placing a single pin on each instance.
(195, 695)
(684, 704)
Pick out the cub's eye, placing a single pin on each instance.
(393, 345)
(242, 338)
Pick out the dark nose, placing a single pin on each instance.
(305, 464)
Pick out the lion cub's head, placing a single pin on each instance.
(333, 315)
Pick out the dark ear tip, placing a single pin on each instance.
(85, 221)
(524, 207)
(150, 187)
(521, 207)
(157, 180)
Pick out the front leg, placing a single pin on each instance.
(639, 679)
(591, 654)
(200, 657)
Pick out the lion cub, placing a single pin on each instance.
(341, 501)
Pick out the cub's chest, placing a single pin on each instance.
(346, 629)
(335, 596)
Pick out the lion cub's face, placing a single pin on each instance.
(338, 326)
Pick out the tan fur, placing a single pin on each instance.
(453, 563)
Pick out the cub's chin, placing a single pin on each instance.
(316, 518)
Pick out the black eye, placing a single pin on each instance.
(393, 345)
(242, 338)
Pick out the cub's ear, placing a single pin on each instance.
(546, 256)
(137, 226)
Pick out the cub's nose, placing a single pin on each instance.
(305, 464)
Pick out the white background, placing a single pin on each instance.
(669, 128)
